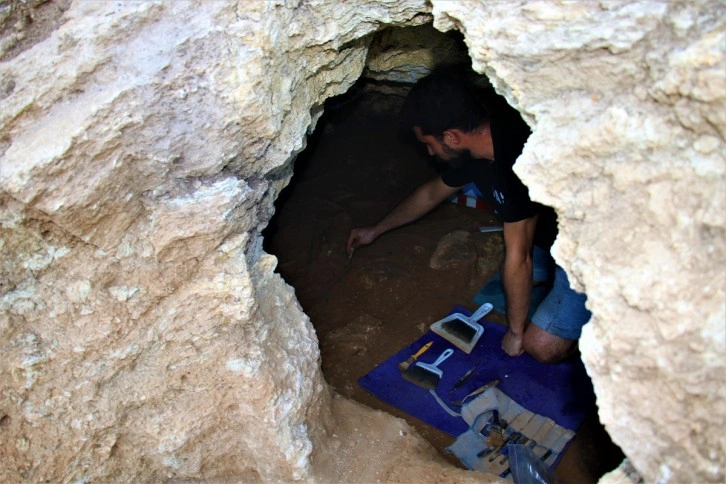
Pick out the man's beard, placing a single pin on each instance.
(456, 157)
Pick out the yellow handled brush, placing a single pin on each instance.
(403, 366)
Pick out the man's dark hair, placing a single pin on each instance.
(442, 101)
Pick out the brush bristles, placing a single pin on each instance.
(422, 377)
(460, 330)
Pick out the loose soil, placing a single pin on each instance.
(354, 170)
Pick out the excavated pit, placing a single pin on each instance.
(356, 167)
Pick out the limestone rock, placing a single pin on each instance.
(627, 102)
(144, 334)
(453, 250)
(405, 55)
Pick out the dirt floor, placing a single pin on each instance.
(365, 309)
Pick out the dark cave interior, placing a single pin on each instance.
(356, 167)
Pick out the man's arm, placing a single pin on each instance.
(517, 279)
(415, 206)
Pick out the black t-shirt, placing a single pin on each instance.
(498, 183)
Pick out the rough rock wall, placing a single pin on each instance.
(404, 55)
(144, 334)
(628, 105)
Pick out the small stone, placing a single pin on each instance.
(453, 250)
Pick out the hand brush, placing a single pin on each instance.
(427, 375)
(403, 366)
(462, 331)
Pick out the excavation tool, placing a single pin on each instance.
(482, 389)
(403, 366)
(463, 379)
(427, 375)
(462, 331)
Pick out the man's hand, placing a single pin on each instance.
(512, 343)
(361, 236)
(415, 206)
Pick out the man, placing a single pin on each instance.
(480, 143)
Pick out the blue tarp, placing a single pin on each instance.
(562, 391)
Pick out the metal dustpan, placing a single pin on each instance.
(462, 331)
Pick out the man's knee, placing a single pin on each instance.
(546, 355)
(545, 347)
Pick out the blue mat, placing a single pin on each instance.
(562, 392)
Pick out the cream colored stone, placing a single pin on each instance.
(406, 55)
(453, 250)
(639, 228)
(144, 333)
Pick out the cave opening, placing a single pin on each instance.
(356, 167)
